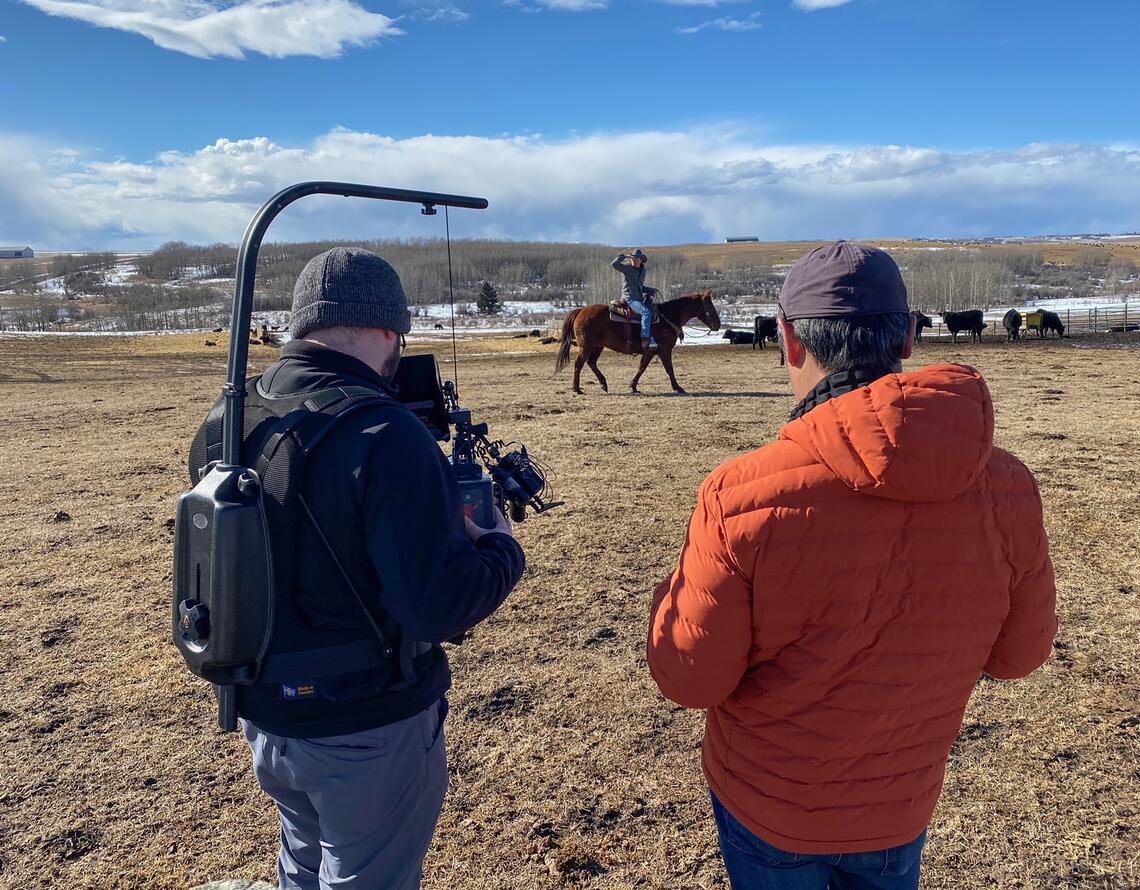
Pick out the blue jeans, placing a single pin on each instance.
(753, 864)
(646, 313)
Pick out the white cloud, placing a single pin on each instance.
(573, 5)
(644, 187)
(593, 5)
(3, 39)
(812, 5)
(725, 24)
(210, 28)
(704, 3)
(444, 15)
(438, 12)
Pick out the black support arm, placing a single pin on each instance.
(234, 390)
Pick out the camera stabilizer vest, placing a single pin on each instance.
(235, 619)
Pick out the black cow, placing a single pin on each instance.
(970, 320)
(1051, 321)
(764, 328)
(739, 338)
(438, 326)
(1011, 321)
(921, 320)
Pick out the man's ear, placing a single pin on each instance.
(390, 338)
(793, 348)
(908, 343)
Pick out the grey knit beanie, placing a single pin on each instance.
(351, 287)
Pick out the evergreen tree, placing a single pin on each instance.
(488, 302)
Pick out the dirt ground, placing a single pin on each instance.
(567, 767)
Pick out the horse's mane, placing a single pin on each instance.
(677, 302)
(684, 298)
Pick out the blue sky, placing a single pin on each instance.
(617, 120)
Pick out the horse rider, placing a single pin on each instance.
(636, 295)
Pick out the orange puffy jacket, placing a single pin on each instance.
(839, 593)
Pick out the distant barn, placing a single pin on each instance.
(739, 238)
(16, 253)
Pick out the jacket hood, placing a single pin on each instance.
(918, 436)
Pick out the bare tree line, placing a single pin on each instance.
(132, 307)
(952, 280)
(24, 273)
(974, 279)
(523, 270)
(174, 287)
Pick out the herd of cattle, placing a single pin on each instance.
(970, 321)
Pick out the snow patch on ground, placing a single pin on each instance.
(1101, 302)
(4, 334)
(120, 275)
(438, 311)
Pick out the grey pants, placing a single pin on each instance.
(357, 811)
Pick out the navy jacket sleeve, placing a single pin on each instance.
(435, 582)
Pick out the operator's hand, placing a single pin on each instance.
(502, 526)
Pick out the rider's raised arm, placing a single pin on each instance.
(619, 262)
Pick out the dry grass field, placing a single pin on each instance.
(567, 767)
(717, 256)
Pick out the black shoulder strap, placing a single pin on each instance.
(297, 415)
(333, 406)
(309, 418)
(305, 419)
(213, 427)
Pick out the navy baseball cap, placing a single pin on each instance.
(841, 280)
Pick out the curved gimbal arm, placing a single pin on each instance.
(234, 390)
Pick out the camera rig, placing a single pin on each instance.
(514, 479)
(223, 579)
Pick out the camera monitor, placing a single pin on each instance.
(418, 386)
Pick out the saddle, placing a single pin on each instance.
(620, 312)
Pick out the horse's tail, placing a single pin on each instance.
(567, 338)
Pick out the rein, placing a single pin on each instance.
(680, 333)
(678, 329)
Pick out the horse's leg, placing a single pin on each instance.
(579, 361)
(646, 358)
(667, 361)
(592, 361)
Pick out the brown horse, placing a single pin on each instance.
(593, 331)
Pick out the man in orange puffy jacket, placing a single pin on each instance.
(841, 590)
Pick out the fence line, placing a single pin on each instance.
(1115, 319)
(1101, 319)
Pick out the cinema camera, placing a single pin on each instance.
(227, 587)
(514, 479)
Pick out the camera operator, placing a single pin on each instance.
(356, 763)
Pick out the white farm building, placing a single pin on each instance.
(16, 253)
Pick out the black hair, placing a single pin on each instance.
(859, 341)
